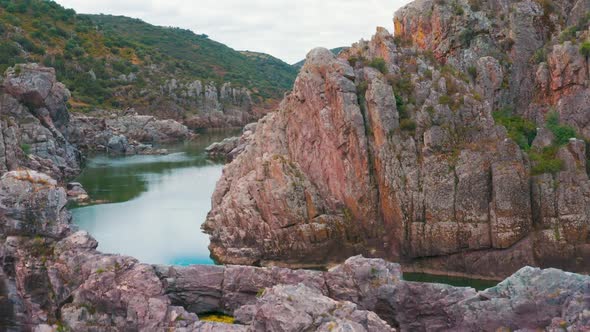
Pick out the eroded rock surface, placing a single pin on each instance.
(125, 134)
(53, 277)
(34, 122)
(393, 149)
(231, 147)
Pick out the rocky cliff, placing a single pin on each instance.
(225, 106)
(52, 278)
(34, 119)
(455, 145)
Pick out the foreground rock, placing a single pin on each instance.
(54, 277)
(392, 149)
(299, 308)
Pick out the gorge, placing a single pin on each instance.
(451, 146)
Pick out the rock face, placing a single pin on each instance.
(231, 147)
(218, 107)
(391, 150)
(34, 122)
(299, 308)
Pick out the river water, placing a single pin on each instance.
(155, 204)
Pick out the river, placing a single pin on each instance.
(155, 205)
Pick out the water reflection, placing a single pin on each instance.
(157, 203)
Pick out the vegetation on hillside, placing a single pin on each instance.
(115, 61)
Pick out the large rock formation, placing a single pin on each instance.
(33, 123)
(54, 279)
(125, 134)
(217, 107)
(392, 149)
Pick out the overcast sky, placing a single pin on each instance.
(286, 29)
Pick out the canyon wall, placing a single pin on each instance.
(205, 105)
(455, 145)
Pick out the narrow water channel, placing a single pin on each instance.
(152, 206)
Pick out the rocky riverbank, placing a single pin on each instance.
(125, 134)
(457, 144)
(55, 278)
(231, 147)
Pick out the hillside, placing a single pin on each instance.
(118, 62)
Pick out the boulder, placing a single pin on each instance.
(118, 144)
(299, 308)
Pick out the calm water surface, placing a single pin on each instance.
(156, 204)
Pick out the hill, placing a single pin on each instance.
(115, 61)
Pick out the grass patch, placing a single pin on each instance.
(522, 131)
(585, 49)
(217, 318)
(562, 133)
(26, 148)
(546, 161)
(379, 64)
(408, 125)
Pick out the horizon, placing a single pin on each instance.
(255, 28)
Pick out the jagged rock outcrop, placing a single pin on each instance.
(297, 308)
(125, 134)
(34, 122)
(392, 150)
(231, 147)
(216, 107)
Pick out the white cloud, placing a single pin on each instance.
(283, 28)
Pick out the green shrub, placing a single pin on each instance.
(522, 131)
(457, 9)
(472, 71)
(379, 64)
(540, 56)
(568, 34)
(26, 148)
(546, 161)
(407, 125)
(585, 49)
(466, 36)
(445, 100)
(401, 107)
(562, 133)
